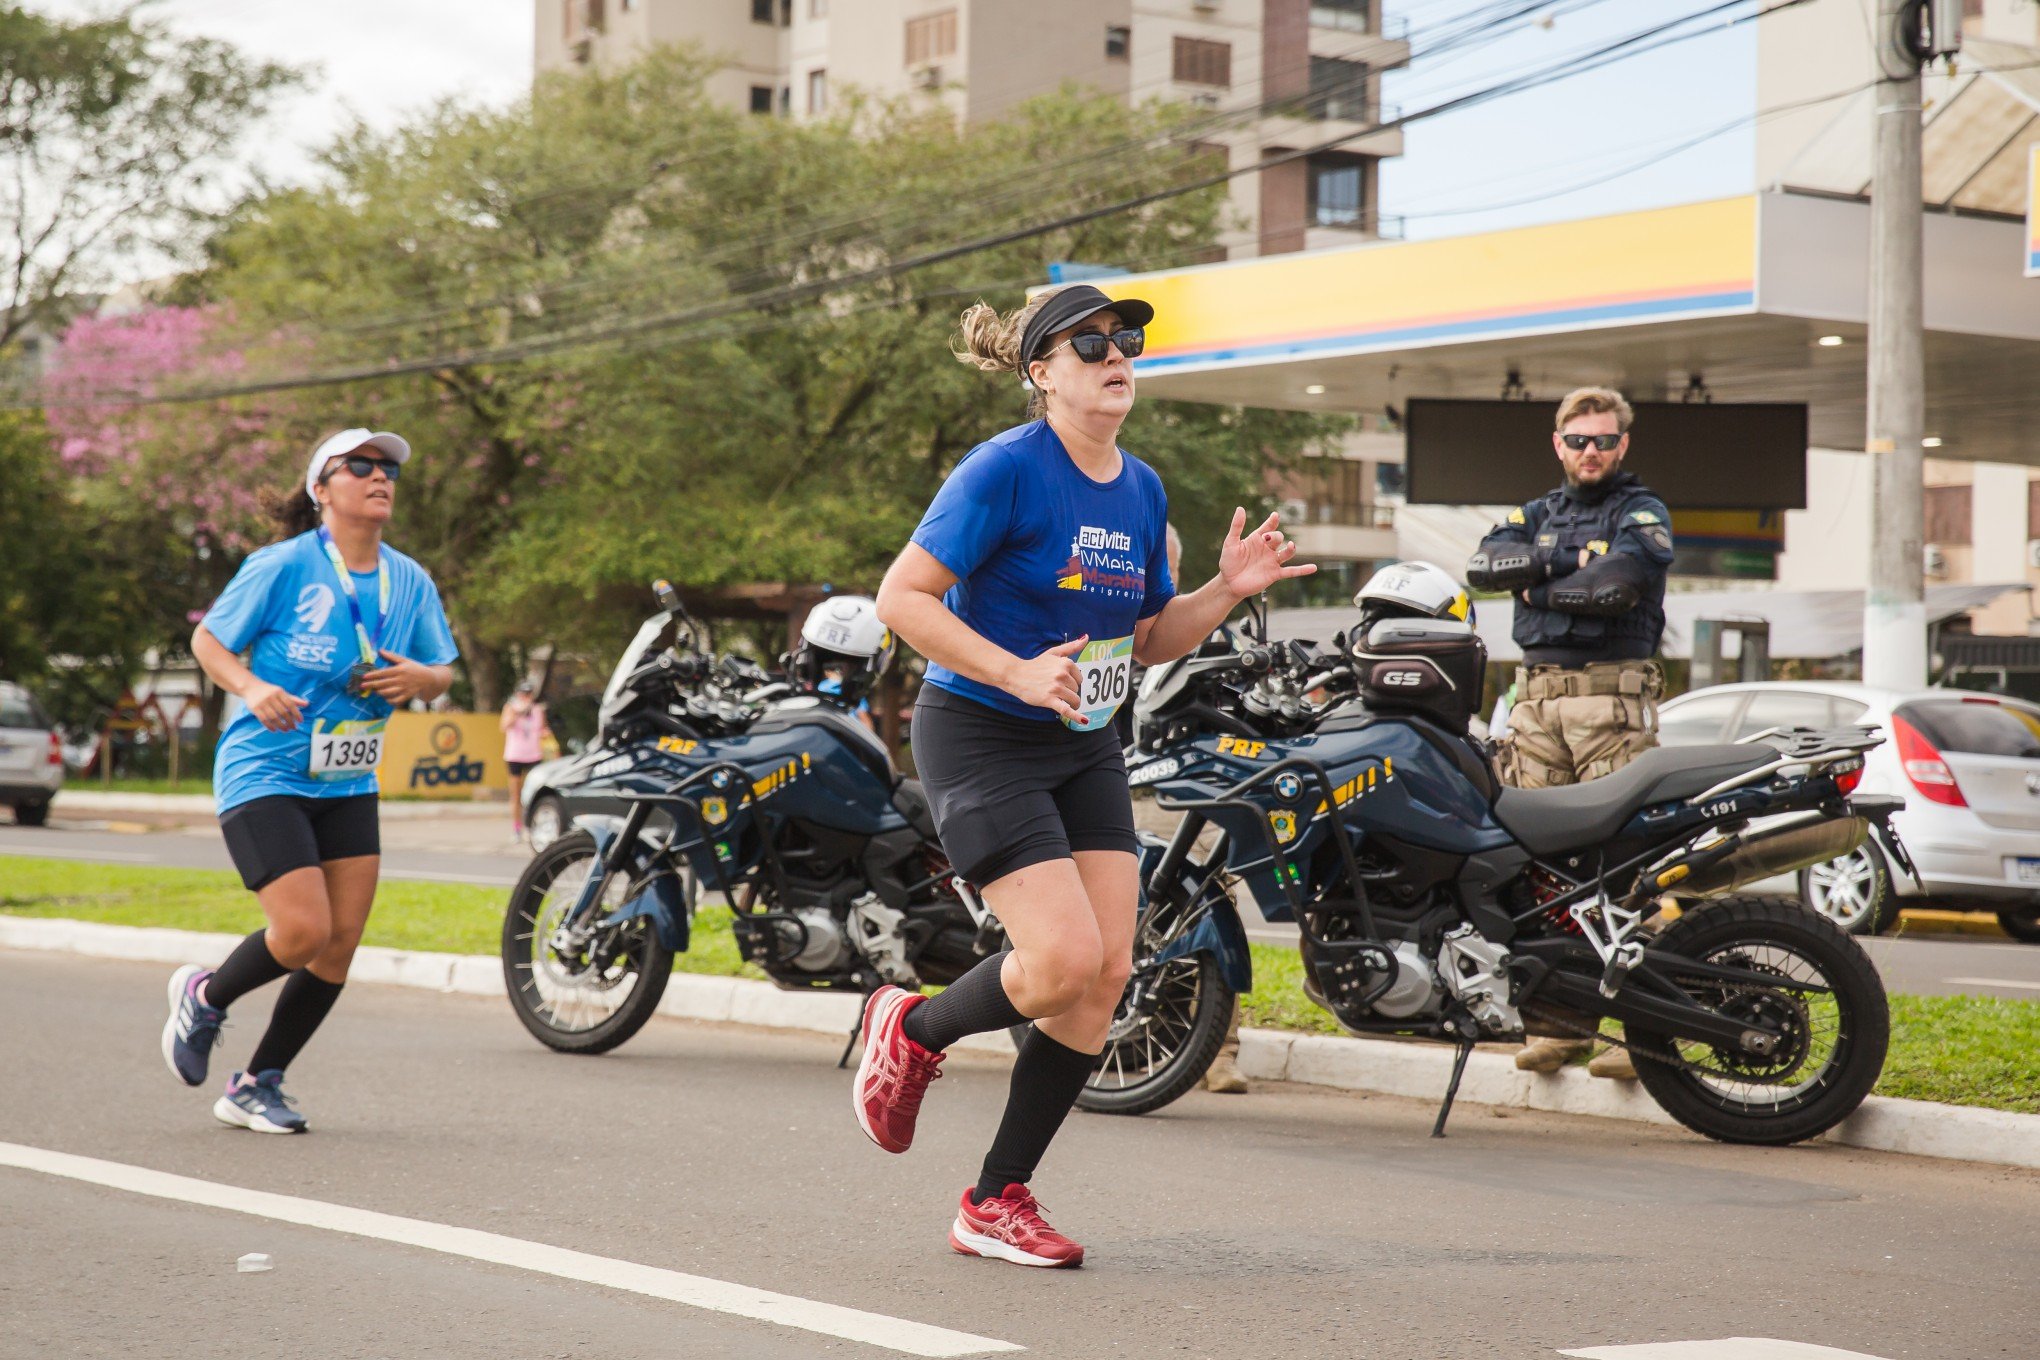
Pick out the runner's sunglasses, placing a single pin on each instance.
(1090, 346)
(1604, 442)
(361, 465)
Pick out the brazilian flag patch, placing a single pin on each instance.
(1646, 517)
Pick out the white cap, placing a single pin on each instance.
(346, 442)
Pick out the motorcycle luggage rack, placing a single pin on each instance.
(1286, 868)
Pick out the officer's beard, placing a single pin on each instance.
(1607, 474)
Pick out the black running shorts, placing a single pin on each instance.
(1010, 792)
(270, 837)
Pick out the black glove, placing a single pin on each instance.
(1606, 586)
(1506, 568)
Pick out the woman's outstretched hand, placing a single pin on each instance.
(1251, 563)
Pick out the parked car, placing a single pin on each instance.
(31, 756)
(1967, 765)
(546, 815)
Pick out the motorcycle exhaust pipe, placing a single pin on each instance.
(1750, 859)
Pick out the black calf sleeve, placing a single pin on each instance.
(1047, 1078)
(251, 965)
(975, 1003)
(300, 1007)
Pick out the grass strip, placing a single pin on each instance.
(1961, 1050)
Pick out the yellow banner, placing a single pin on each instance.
(443, 755)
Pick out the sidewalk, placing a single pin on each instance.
(200, 805)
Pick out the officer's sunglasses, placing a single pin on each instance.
(362, 466)
(1090, 346)
(1604, 442)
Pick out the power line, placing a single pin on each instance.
(807, 291)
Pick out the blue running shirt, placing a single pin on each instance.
(1042, 554)
(285, 603)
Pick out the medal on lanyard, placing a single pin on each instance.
(368, 645)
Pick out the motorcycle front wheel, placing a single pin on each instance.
(609, 987)
(1834, 1038)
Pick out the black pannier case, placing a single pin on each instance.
(1437, 667)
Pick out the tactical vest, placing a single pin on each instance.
(1570, 522)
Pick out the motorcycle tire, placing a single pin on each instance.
(1738, 930)
(522, 952)
(1183, 1060)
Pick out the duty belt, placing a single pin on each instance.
(1642, 678)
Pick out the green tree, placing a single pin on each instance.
(112, 135)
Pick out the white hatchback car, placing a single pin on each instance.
(1967, 765)
(31, 756)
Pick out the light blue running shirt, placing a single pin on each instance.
(286, 604)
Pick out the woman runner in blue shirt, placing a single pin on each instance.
(1036, 578)
(339, 627)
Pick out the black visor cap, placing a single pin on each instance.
(1067, 308)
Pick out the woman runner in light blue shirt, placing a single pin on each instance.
(338, 628)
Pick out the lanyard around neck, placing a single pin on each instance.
(369, 645)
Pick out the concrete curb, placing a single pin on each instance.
(1921, 1128)
(688, 996)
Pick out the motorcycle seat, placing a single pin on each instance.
(912, 802)
(1552, 821)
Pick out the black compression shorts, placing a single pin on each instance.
(1011, 792)
(270, 837)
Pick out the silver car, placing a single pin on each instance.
(1967, 765)
(31, 756)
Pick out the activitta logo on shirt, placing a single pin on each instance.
(1101, 560)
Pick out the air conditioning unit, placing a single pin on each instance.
(1936, 563)
(2033, 552)
(1204, 99)
(1293, 511)
(928, 77)
(580, 49)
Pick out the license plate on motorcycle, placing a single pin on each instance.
(2024, 870)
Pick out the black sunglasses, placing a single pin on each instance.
(363, 466)
(1091, 345)
(1604, 442)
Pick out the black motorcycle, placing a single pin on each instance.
(713, 774)
(1338, 788)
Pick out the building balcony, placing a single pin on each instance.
(1357, 16)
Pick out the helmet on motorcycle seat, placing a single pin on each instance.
(844, 647)
(1413, 590)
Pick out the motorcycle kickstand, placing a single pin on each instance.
(1465, 1050)
(856, 1028)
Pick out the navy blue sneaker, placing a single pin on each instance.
(193, 1030)
(257, 1102)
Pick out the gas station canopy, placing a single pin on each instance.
(1739, 294)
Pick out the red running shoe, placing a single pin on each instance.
(894, 1072)
(1009, 1226)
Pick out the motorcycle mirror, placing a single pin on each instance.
(668, 597)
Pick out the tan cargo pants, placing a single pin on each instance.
(1569, 726)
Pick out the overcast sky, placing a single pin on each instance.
(380, 59)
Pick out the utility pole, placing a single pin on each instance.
(1908, 33)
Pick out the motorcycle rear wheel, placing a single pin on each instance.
(595, 1002)
(1836, 1040)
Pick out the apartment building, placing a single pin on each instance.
(1276, 76)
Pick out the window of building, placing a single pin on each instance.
(1947, 515)
(778, 13)
(761, 99)
(930, 37)
(817, 9)
(1338, 89)
(1118, 41)
(1199, 61)
(1338, 192)
(785, 99)
(817, 91)
(1355, 16)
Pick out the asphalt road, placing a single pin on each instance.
(467, 851)
(1286, 1223)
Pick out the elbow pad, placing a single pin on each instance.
(1510, 568)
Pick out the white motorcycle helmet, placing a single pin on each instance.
(1413, 590)
(842, 640)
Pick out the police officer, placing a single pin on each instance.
(1587, 566)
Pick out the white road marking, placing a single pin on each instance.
(56, 852)
(696, 1291)
(1993, 982)
(1728, 1348)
